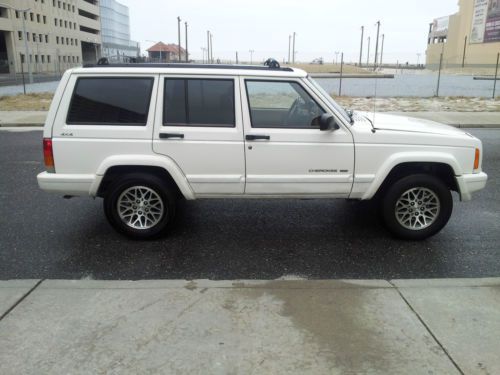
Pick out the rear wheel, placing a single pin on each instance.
(417, 207)
(140, 206)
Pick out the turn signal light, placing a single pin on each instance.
(476, 159)
(48, 155)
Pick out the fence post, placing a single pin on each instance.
(439, 74)
(22, 74)
(341, 73)
(496, 75)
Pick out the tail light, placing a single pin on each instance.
(48, 155)
(476, 159)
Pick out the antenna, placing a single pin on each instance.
(375, 104)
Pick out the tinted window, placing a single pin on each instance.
(275, 104)
(199, 102)
(111, 101)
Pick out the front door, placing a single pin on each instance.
(286, 152)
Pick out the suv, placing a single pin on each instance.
(142, 136)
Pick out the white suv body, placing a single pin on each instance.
(246, 132)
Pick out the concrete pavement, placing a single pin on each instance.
(265, 327)
(457, 119)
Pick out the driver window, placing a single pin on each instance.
(278, 104)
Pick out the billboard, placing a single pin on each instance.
(485, 21)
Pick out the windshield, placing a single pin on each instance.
(328, 97)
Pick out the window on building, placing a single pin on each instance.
(55, 21)
(36, 59)
(107, 101)
(45, 19)
(20, 35)
(43, 59)
(67, 41)
(59, 4)
(64, 58)
(60, 23)
(48, 59)
(17, 14)
(28, 37)
(66, 24)
(22, 58)
(64, 6)
(46, 38)
(74, 24)
(199, 102)
(53, 3)
(38, 18)
(32, 16)
(57, 40)
(40, 38)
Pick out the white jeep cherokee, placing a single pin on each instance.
(142, 136)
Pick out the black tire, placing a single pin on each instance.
(426, 183)
(162, 189)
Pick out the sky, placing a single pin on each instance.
(322, 27)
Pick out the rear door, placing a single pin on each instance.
(286, 152)
(198, 125)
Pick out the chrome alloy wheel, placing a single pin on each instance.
(417, 208)
(140, 207)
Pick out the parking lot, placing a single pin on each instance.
(45, 236)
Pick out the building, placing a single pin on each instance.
(60, 34)
(115, 26)
(162, 52)
(470, 37)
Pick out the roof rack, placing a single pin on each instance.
(270, 66)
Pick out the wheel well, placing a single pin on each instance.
(440, 170)
(115, 172)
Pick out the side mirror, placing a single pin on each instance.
(327, 122)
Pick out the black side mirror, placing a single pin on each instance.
(327, 122)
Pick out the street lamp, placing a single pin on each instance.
(23, 12)
(152, 41)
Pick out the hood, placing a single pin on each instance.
(384, 121)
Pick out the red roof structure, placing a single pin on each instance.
(162, 47)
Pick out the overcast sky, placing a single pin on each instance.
(322, 27)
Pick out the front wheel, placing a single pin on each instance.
(140, 206)
(417, 207)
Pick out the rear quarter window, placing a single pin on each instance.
(110, 101)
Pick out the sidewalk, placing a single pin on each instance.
(457, 119)
(245, 327)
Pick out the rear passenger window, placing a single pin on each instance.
(110, 101)
(199, 102)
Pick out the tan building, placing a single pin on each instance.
(470, 37)
(60, 34)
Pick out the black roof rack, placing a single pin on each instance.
(190, 66)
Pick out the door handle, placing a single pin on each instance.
(251, 137)
(171, 135)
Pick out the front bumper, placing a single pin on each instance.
(470, 183)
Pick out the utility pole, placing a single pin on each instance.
(251, 56)
(465, 50)
(361, 49)
(293, 50)
(179, 36)
(289, 46)
(208, 45)
(187, 54)
(382, 50)
(211, 48)
(368, 57)
(376, 46)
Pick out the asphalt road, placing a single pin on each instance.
(45, 236)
